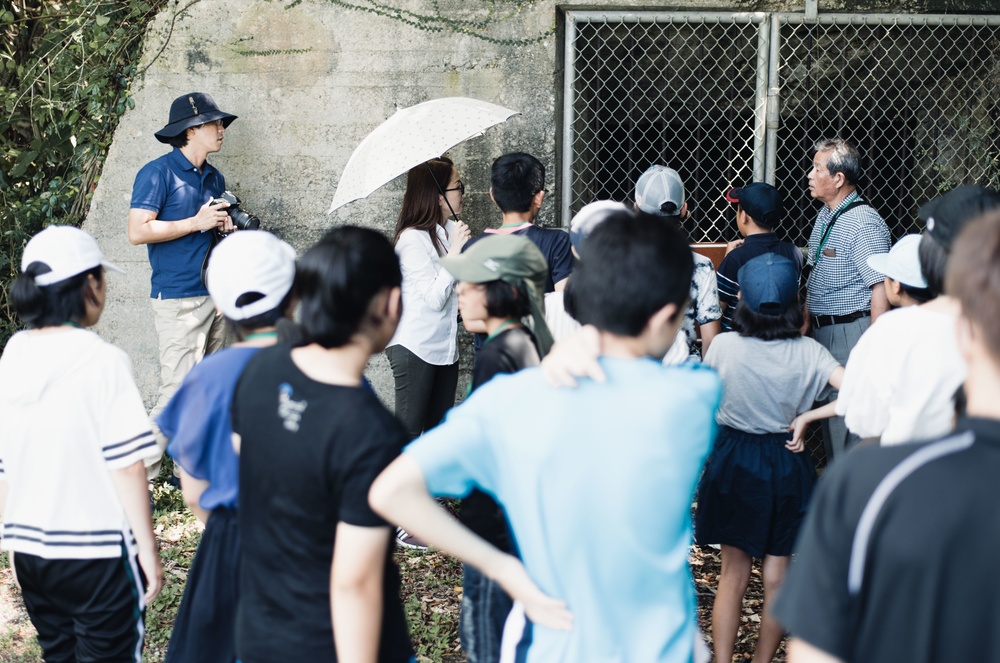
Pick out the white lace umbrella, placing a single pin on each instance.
(410, 137)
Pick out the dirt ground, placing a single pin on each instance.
(431, 594)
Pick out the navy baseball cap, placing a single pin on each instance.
(769, 283)
(760, 200)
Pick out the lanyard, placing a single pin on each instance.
(499, 330)
(843, 208)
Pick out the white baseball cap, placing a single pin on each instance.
(66, 251)
(589, 217)
(250, 261)
(901, 263)
(660, 186)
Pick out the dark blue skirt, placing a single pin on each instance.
(754, 493)
(205, 627)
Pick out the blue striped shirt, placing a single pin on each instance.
(841, 280)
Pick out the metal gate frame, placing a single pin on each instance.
(767, 103)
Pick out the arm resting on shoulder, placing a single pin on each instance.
(133, 491)
(356, 591)
(575, 356)
(400, 496)
(800, 651)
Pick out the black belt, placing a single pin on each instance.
(827, 320)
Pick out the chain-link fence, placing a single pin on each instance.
(663, 88)
(727, 98)
(920, 96)
(730, 98)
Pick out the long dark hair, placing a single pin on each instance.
(55, 304)
(421, 209)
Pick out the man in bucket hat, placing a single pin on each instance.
(171, 214)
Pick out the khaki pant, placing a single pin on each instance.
(188, 329)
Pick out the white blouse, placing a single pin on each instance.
(429, 325)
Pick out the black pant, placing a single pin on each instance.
(424, 392)
(85, 610)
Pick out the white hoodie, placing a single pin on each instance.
(69, 414)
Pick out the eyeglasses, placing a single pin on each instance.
(460, 188)
(213, 123)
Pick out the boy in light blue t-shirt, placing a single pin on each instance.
(596, 481)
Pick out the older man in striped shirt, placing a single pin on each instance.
(845, 295)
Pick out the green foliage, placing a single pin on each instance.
(431, 594)
(66, 70)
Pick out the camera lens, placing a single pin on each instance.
(243, 219)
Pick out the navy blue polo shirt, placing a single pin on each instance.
(753, 246)
(174, 189)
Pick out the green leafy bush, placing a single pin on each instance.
(66, 70)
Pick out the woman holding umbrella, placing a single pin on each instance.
(424, 352)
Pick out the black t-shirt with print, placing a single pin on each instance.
(507, 352)
(309, 453)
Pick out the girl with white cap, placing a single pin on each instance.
(73, 437)
(250, 279)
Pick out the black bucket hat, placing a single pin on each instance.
(191, 110)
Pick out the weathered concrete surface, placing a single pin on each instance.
(309, 81)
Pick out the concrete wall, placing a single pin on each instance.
(309, 80)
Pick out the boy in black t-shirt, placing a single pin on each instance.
(501, 282)
(318, 582)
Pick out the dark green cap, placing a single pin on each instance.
(512, 259)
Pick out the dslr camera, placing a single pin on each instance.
(242, 219)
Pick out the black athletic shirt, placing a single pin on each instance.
(507, 352)
(930, 588)
(309, 453)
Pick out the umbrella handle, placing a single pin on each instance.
(454, 217)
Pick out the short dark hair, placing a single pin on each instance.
(515, 179)
(933, 262)
(844, 158)
(765, 326)
(178, 141)
(337, 280)
(243, 328)
(504, 300)
(632, 266)
(974, 278)
(51, 305)
(767, 222)
(919, 295)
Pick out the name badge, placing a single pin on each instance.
(830, 253)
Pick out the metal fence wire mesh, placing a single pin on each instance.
(730, 98)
